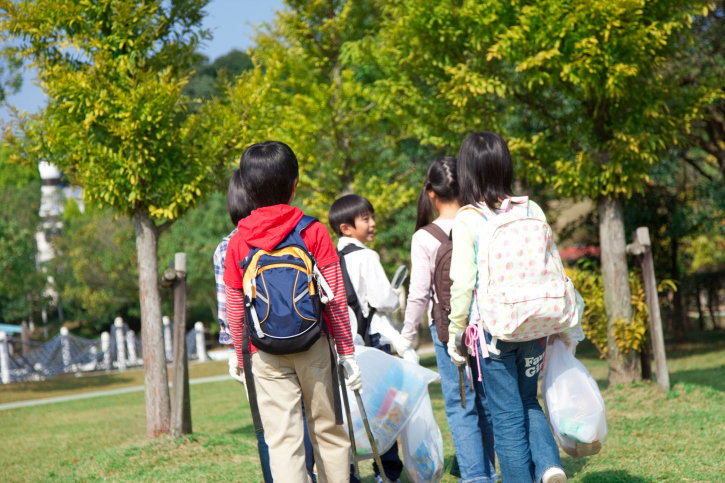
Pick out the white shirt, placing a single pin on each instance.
(371, 284)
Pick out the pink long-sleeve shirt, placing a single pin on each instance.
(423, 253)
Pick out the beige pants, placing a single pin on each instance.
(281, 381)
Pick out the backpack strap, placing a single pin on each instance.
(350, 249)
(305, 222)
(363, 323)
(335, 384)
(437, 232)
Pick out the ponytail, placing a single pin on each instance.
(441, 178)
(425, 209)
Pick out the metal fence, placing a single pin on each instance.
(66, 353)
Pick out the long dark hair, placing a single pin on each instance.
(485, 169)
(238, 204)
(442, 180)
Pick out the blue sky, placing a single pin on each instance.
(231, 24)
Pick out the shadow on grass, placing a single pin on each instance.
(572, 466)
(714, 377)
(247, 430)
(613, 476)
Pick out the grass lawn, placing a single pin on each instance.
(653, 436)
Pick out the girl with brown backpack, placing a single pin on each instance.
(430, 283)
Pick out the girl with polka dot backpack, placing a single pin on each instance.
(523, 292)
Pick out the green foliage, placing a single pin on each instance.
(577, 87)
(307, 93)
(116, 120)
(202, 84)
(20, 283)
(197, 234)
(10, 78)
(629, 335)
(96, 274)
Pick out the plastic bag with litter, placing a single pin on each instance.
(572, 402)
(392, 391)
(422, 445)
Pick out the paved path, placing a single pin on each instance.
(423, 351)
(109, 392)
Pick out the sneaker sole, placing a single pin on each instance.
(557, 479)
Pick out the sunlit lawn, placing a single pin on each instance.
(653, 436)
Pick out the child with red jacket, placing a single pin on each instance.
(269, 174)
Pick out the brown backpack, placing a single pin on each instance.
(441, 281)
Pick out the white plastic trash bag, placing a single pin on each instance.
(392, 390)
(422, 445)
(572, 402)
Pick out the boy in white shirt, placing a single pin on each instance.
(352, 217)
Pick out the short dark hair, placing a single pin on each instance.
(346, 209)
(238, 204)
(269, 171)
(485, 169)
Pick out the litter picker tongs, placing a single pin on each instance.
(344, 370)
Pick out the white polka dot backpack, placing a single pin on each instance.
(523, 292)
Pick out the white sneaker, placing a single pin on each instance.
(379, 479)
(554, 475)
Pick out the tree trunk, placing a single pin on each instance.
(623, 368)
(700, 315)
(678, 319)
(156, 382)
(712, 301)
(645, 358)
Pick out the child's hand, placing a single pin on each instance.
(353, 377)
(456, 358)
(237, 372)
(401, 344)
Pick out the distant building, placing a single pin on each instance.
(54, 196)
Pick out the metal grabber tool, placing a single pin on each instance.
(346, 367)
(341, 373)
(461, 348)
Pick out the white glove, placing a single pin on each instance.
(411, 356)
(456, 358)
(401, 344)
(235, 371)
(353, 378)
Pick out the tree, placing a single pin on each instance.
(307, 92)
(21, 285)
(202, 85)
(117, 124)
(701, 69)
(95, 269)
(577, 87)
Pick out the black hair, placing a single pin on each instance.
(485, 170)
(238, 204)
(442, 179)
(269, 171)
(346, 209)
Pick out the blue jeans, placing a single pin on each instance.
(524, 443)
(263, 450)
(471, 428)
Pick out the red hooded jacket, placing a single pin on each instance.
(264, 229)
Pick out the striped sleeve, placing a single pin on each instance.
(235, 318)
(336, 311)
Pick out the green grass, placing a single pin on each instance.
(653, 436)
